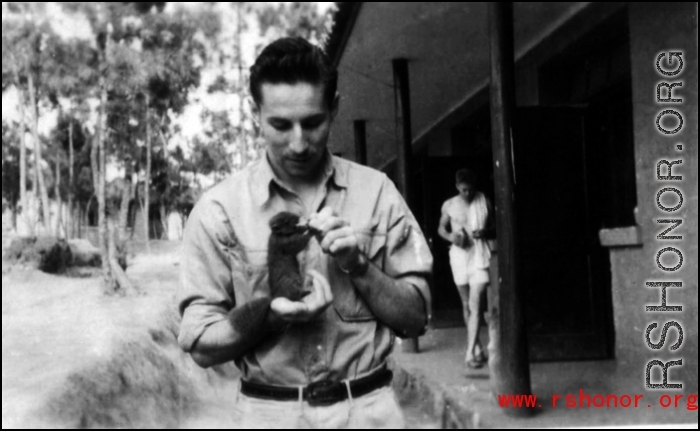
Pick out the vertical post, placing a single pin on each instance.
(147, 181)
(508, 355)
(402, 97)
(360, 127)
(403, 126)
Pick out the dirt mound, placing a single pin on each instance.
(75, 358)
(144, 380)
(138, 386)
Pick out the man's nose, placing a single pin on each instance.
(298, 142)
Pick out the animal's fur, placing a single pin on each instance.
(287, 239)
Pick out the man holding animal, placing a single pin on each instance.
(310, 330)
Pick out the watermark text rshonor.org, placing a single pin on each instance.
(583, 400)
(669, 200)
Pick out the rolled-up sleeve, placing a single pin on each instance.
(407, 256)
(206, 291)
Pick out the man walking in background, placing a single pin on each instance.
(464, 223)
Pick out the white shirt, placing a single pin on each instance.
(470, 216)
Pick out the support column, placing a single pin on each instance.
(508, 350)
(404, 150)
(360, 127)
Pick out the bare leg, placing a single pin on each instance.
(464, 294)
(466, 310)
(476, 294)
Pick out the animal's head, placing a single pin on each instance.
(288, 236)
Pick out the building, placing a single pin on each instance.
(586, 151)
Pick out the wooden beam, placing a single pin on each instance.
(404, 150)
(508, 354)
(360, 127)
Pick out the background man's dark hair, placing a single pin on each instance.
(291, 60)
(465, 176)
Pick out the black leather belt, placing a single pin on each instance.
(322, 393)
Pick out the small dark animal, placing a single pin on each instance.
(287, 239)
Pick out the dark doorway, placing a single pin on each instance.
(565, 272)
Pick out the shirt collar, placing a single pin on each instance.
(264, 176)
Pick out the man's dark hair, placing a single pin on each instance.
(465, 176)
(291, 60)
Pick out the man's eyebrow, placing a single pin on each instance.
(278, 119)
(319, 116)
(312, 117)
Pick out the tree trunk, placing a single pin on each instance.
(123, 285)
(127, 195)
(164, 221)
(71, 179)
(71, 229)
(46, 211)
(23, 159)
(98, 161)
(35, 201)
(78, 220)
(59, 202)
(147, 180)
(166, 155)
(83, 220)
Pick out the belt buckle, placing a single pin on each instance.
(322, 393)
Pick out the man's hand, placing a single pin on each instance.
(337, 238)
(457, 238)
(310, 307)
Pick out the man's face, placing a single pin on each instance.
(466, 191)
(295, 123)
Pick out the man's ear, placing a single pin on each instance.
(255, 109)
(335, 105)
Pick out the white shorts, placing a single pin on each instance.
(461, 271)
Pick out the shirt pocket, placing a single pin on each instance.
(347, 302)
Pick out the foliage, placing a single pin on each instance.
(155, 60)
(294, 19)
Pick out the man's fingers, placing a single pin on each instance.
(288, 309)
(334, 236)
(342, 244)
(326, 212)
(325, 221)
(328, 225)
(321, 287)
(310, 306)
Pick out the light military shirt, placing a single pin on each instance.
(224, 264)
